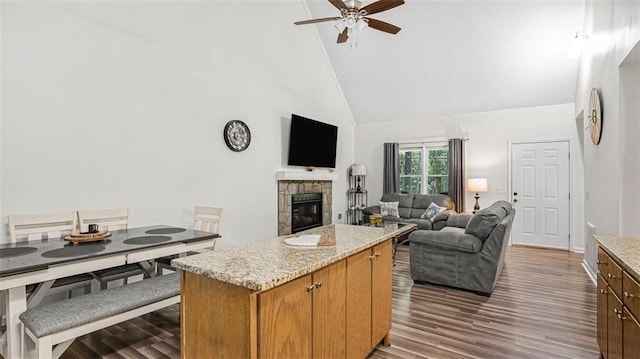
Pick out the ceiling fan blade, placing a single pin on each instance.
(379, 6)
(338, 4)
(313, 21)
(382, 26)
(343, 36)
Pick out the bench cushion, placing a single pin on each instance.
(69, 313)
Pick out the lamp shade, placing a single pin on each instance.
(358, 170)
(477, 185)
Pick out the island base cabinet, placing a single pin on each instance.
(285, 320)
(304, 318)
(217, 319)
(342, 310)
(381, 289)
(369, 299)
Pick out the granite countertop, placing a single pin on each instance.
(265, 264)
(625, 249)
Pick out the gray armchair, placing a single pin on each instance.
(468, 253)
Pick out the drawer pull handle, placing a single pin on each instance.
(603, 263)
(377, 254)
(628, 295)
(620, 317)
(309, 288)
(610, 275)
(372, 256)
(318, 284)
(603, 291)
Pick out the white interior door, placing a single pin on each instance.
(540, 194)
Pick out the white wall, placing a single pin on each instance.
(612, 29)
(486, 151)
(123, 104)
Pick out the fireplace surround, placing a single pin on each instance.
(288, 188)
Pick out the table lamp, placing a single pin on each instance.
(358, 170)
(476, 185)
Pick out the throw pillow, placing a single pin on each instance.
(432, 211)
(389, 209)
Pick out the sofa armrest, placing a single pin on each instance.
(371, 210)
(455, 240)
(459, 220)
(440, 220)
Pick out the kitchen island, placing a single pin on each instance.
(268, 299)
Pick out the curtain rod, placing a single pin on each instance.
(438, 140)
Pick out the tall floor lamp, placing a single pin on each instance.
(476, 185)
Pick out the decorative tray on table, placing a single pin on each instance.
(76, 238)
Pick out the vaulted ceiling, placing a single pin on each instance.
(455, 56)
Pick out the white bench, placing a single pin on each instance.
(63, 321)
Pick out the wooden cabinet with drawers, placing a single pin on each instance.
(305, 317)
(618, 310)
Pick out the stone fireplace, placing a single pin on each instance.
(310, 189)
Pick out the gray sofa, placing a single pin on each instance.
(468, 253)
(411, 207)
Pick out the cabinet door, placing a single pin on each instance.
(381, 293)
(284, 320)
(329, 311)
(631, 329)
(631, 294)
(359, 304)
(614, 327)
(602, 315)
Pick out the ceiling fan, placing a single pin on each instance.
(353, 15)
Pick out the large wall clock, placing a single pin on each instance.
(237, 135)
(595, 116)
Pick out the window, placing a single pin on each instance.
(424, 169)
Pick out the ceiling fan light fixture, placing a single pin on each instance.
(362, 23)
(340, 25)
(350, 21)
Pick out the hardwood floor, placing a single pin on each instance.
(544, 306)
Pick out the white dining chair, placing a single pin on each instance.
(26, 227)
(206, 219)
(108, 220)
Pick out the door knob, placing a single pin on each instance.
(515, 193)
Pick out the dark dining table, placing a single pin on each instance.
(31, 262)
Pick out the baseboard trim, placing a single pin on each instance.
(589, 271)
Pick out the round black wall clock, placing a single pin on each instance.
(237, 135)
(595, 116)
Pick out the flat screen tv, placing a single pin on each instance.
(312, 143)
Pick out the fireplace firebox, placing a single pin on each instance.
(306, 211)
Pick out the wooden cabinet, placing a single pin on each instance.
(368, 299)
(300, 318)
(329, 311)
(285, 314)
(381, 291)
(631, 340)
(342, 310)
(614, 327)
(617, 310)
(602, 311)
